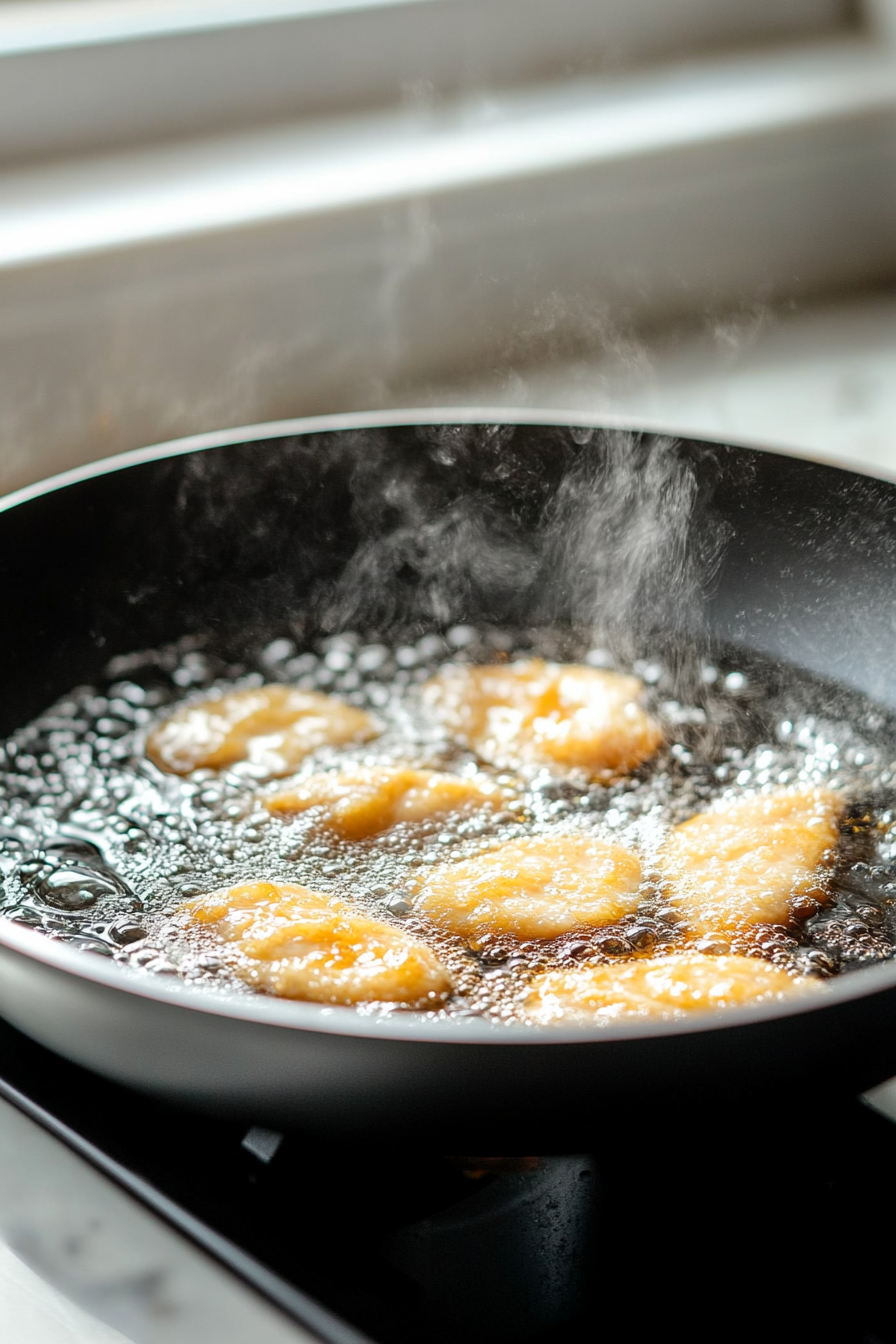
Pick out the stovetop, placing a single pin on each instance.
(777, 1223)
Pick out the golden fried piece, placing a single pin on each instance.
(301, 944)
(557, 714)
(672, 986)
(537, 887)
(364, 801)
(274, 727)
(747, 862)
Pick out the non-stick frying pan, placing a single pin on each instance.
(400, 521)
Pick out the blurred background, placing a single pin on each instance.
(217, 212)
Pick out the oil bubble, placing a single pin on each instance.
(125, 931)
(73, 888)
(614, 946)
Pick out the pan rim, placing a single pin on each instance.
(429, 415)
(337, 1020)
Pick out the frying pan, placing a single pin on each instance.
(232, 533)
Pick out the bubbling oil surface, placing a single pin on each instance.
(100, 849)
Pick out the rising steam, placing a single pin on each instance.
(610, 532)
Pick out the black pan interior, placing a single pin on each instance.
(398, 530)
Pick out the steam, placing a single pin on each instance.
(394, 533)
(609, 532)
(436, 546)
(634, 545)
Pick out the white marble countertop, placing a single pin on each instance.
(82, 1262)
(31, 1309)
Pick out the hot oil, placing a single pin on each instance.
(100, 849)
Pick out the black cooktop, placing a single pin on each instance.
(774, 1224)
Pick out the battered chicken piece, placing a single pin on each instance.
(274, 727)
(557, 714)
(361, 802)
(536, 887)
(672, 986)
(301, 944)
(746, 862)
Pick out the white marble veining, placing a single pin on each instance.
(33, 1310)
(81, 1262)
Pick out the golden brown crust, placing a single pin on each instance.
(275, 727)
(565, 715)
(536, 887)
(366, 800)
(668, 987)
(747, 862)
(302, 944)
